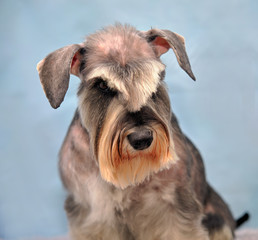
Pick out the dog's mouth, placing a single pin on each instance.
(129, 156)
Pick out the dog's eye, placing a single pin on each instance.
(153, 96)
(162, 75)
(103, 86)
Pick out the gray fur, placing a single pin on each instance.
(54, 73)
(117, 192)
(177, 43)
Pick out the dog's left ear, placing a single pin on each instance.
(55, 69)
(163, 40)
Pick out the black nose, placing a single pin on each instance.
(140, 139)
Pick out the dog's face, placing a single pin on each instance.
(123, 103)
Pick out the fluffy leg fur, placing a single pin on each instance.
(218, 219)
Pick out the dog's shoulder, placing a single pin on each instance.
(75, 155)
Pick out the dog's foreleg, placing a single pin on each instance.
(218, 220)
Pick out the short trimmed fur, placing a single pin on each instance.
(130, 172)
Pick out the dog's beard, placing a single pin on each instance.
(122, 165)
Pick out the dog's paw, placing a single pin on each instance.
(224, 233)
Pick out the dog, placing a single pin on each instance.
(130, 172)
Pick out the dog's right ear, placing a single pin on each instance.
(55, 69)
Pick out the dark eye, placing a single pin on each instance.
(153, 96)
(103, 86)
(162, 75)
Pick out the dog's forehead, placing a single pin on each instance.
(120, 44)
(122, 57)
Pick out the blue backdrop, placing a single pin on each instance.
(219, 111)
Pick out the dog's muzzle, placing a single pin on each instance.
(133, 146)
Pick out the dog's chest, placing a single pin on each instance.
(146, 200)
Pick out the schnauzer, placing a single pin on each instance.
(130, 172)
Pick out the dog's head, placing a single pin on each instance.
(123, 103)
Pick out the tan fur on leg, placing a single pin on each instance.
(223, 234)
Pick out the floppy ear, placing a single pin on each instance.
(163, 40)
(55, 69)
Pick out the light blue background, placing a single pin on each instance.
(219, 111)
